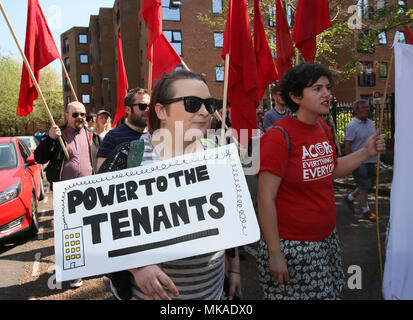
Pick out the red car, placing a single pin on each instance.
(20, 188)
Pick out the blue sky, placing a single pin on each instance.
(61, 15)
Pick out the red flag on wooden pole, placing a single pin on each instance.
(165, 58)
(312, 17)
(151, 12)
(242, 76)
(122, 84)
(284, 44)
(40, 49)
(266, 70)
(408, 34)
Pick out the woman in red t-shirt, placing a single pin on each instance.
(298, 256)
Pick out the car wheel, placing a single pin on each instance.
(34, 225)
(41, 195)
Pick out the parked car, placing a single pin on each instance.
(20, 188)
(32, 143)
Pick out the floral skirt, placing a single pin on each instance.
(314, 268)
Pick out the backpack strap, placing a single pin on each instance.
(322, 128)
(135, 155)
(287, 138)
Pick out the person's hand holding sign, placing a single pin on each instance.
(152, 281)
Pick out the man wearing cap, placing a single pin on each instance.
(357, 133)
(136, 104)
(82, 145)
(103, 123)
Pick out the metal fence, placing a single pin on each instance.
(342, 113)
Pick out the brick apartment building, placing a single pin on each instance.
(90, 53)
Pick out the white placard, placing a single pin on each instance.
(168, 210)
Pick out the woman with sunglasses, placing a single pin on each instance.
(180, 113)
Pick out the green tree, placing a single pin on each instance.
(50, 84)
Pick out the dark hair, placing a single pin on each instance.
(163, 92)
(128, 100)
(299, 77)
(275, 87)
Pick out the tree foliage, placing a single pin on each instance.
(12, 124)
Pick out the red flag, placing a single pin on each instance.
(409, 36)
(152, 13)
(122, 85)
(312, 17)
(40, 49)
(242, 76)
(267, 72)
(165, 58)
(284, 44)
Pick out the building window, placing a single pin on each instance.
(85, 98)
(65, 46)
(83, 38)
(175, 38)
(364, 45)
(216, 6)
(382, 38)
(365, 9)
(401, 3)
(273, 47)
(67, 64)
(271, 16)
(380, 4)
(383, 70)
(218, 39)
(171, 10)
(367, 78)
(219, 74)
(84, 78)
(84, 58)
(402, 37)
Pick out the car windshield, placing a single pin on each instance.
(8, 156)
(31, 144)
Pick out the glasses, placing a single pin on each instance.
(142, 106)
(260, 114)
(192, 104)
(76, 114)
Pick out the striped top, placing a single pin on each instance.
(197, 278)
(200, 277)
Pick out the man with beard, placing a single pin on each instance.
(82, 145)
(136, 104)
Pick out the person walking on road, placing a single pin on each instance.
(357, 133)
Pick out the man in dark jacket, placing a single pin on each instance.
(82, 145)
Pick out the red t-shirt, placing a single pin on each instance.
(306, 209)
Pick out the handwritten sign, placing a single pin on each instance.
(168, 210)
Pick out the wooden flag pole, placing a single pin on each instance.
(378, 167)
(68, 79)
(33, 78)
(224, 102)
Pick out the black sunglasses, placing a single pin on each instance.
(76, 114)
(192, 104)
(142, 106)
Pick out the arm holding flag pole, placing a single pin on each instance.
(33, 78)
